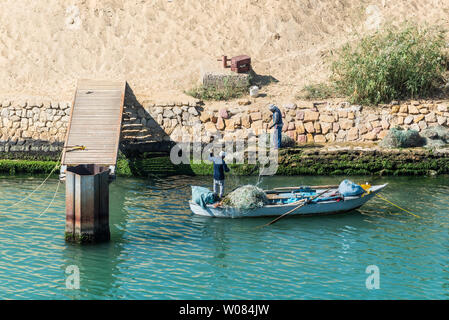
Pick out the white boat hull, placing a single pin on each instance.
(319, 208)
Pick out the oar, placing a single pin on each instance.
(296, 208)
(311, 187)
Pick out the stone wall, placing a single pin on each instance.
(330, 122)
(33, 125)
(40, 125)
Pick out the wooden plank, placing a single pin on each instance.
(97, 157)
(97, 111)
(89, 84)
(93, 145)
(88, 144)
(89, 98)
(97, 154)
(94, 94)
(92, 152)
(95, 121)
(83, 161)
(92, 118)
(311, 187)
(99, 132)
(81, 123)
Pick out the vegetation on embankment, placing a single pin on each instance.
(26, 166)
(307, 161)
(293, 161)
(317, 91)
(224, 87)
(354, 162)
(148, 164)
(394, 63)
(226, 92)
(31, 156)
(21, 166)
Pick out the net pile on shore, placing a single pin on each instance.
(437, 136)
(246, 198)
(399, 138)
(286, 141)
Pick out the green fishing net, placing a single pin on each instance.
(436, 136)
(246, 198)
(399, 138)
(286, 141)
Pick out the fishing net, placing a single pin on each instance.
(286, 141)
(246, 198)
(436, 136)
(399, 138)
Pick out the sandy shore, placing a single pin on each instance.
(162, 47)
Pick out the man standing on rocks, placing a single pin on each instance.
(220, 168)
(277, 124)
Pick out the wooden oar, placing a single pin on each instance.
(311, 187)
(296, 208)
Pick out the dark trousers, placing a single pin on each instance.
(277, 137)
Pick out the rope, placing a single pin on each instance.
(51, 202)
(72, 148)
(58, 163)
(38, 187)
(397, 206)
(81, 147)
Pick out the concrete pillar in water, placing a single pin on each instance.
(87, 204)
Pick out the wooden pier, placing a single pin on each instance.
(89, 158)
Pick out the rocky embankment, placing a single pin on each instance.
(35, 129)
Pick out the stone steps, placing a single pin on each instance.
(145, 137)
(132, 131)
(132, 125)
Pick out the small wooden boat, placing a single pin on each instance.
(282, 201)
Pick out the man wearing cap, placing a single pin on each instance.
(277, 124)
(220, 168)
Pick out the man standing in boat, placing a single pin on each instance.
(277, 124)
(220, 168)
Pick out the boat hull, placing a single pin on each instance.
(319, 208)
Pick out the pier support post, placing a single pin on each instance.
(87, 204)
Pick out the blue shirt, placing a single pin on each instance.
(220, 167)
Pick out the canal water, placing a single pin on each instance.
(159, 250)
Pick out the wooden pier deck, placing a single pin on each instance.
(95, 122)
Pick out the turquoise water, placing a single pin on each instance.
(159, 250)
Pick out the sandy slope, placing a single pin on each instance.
(165, 45)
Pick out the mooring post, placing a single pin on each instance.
(87, 204)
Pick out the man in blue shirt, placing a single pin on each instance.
(277, 124)
(220, 168)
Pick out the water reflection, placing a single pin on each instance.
(99, 264)
(158, 249)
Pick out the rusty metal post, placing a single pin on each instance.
(70, 206)
(225, 61)
(87, 204)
